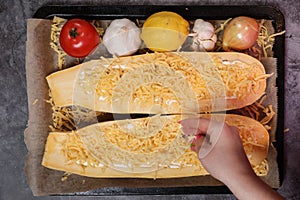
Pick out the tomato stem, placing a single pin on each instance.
(73, 32)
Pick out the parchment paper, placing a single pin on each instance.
(41, 61)
(270, 65)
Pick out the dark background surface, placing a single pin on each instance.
(13, 97)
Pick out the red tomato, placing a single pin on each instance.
(78, 38)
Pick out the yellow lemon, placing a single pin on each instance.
(164, 31)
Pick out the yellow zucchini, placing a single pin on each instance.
(170, 83)
(150, 147)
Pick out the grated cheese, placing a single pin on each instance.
(35, 101)
(125, 152)
(68, 118)
(76, 151)
(262, 169)
(54, 43)
(269, 115)
(265, 40)
(154, 79)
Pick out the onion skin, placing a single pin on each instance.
(241, 33)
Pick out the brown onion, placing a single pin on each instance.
(241, 33)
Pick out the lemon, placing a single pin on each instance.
(164, 31)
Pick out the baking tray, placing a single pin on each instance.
(190, 12)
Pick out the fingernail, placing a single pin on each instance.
(193, 147)
(197, 136)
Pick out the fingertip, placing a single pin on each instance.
(197, 142)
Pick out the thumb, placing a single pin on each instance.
(197, 143)
(212, 128)
(194, 126)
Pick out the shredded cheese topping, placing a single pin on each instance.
(54, 43)
(69, 118)
(124, 152)
(266, 40)
(150, 95)
(77, 154)
(262, 169)
(259, 112)
(154, 78)
(147, 144)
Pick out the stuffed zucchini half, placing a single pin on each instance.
(168, 83)
(152, 147)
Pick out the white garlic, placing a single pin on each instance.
(122, 37)
(204, 36)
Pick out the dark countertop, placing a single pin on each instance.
(13, 95)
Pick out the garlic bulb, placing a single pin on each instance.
(122, 37)
(204, 36)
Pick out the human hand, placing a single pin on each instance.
(221, 153)
(225, 159)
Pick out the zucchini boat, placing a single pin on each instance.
(152, 147)
(168, 83)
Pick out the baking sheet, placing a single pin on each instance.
(40, 62)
